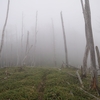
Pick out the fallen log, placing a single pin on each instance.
(80, 80)
(89, 93)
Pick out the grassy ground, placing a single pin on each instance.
(42, 84)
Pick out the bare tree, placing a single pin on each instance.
(90, 43)
(3, 31)
(34, 58)
(65, 44)
(22, 29)
(23, 61)
(98, 56)
(86, 48)
(11, 59)
(27, 43)
(21, 56)
(17, 49)
(54, 44)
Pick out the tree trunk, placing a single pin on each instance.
(3, 31)
(54, 45)
(35, 41)
(98, 56)
(27, 43)
(27, 46)
(87, 47)
(26, 55)
(17, 49)
(84, 74)
(90, 42)
(22, 53)
(22, 29)
(64, 36)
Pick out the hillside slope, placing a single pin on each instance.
(42, 84)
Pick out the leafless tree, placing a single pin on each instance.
(27, 43)
(17, 49)
(21, 56)
(3, 31)
(90, 43)
(65, 44)
(54, 44)
(11, 60)
(23, 61)
(22, 29)
(34, 52)
(86, 48)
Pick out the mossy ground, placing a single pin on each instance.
(42, 84)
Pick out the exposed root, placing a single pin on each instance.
(94, 86)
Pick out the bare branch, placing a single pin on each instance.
(3, 31)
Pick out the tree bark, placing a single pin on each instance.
(3, 31)
(65, 44)
(98, 56)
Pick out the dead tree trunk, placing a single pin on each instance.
(17, 49)
(80, 80)
(87, 47)
(11, 60)
(90, 43)
(84, 74)
(22, 29)
(27, 43)
(22, 54)
(35, 41)
(54, 45)
(98, 56)
(26, 55)
(64, 36)
(3, 31)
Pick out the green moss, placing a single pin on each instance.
(57, 84)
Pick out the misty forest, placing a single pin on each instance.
(49, 50)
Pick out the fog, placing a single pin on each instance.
(23, 13)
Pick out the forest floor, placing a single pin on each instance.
(39, 83)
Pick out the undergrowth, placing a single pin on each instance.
(55, 84)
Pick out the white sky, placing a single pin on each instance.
(47, 9)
